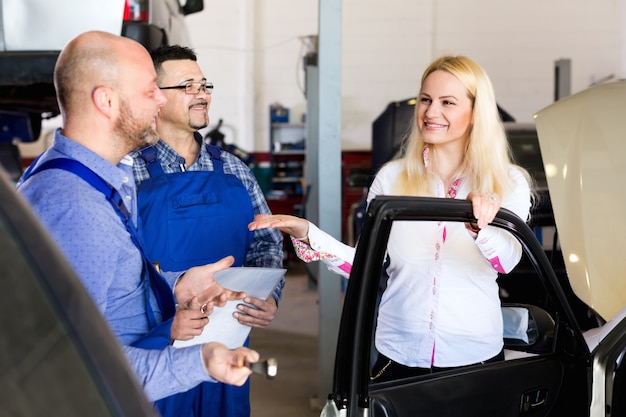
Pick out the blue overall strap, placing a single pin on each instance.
(215, 152)
(149, 155)
(160, 287)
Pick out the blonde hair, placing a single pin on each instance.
(487, 159)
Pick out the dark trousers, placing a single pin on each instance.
(386, 369)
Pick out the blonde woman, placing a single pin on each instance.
(441, 307)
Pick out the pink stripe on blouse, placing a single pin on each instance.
(495, 263)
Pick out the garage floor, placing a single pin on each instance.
(292, 339)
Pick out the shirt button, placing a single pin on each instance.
(125, 180)
(128, 198)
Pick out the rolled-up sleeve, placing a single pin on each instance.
(166, 372)
(337, 256)
(499, 247)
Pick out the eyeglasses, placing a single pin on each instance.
(193, 87)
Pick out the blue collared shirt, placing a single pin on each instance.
(96, 243)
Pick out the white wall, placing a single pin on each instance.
(223, 37)
(251, 50)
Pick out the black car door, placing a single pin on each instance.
(547, 378)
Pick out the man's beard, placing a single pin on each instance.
(195, 125)
(132, 131)
(198, 126)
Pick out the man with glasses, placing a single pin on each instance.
(196, 201)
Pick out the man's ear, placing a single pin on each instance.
(102, 98)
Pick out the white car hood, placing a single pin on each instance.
(583, 145)
(45, 25)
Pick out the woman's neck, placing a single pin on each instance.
(447, 166)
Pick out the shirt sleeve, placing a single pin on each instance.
(169, 371)
(266, 250)
(337, 256)
(172, 278)
(500, 248)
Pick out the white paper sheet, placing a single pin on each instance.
(223, 327)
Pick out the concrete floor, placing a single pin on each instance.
(291, 338)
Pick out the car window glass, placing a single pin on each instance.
(526, 153)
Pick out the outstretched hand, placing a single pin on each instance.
(226, 365)
(198, 290)
(292, 225)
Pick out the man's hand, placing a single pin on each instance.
(197, 288)
(226, 365)
(261, 316)
(188, 323)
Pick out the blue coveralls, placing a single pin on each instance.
(193, 218)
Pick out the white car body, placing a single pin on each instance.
(58, 21)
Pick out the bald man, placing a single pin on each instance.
(108, 96)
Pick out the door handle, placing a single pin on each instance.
(533, 399)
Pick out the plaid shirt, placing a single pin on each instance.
(266, 249)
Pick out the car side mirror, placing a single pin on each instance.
(527, 328)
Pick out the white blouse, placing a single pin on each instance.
(441, 306)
